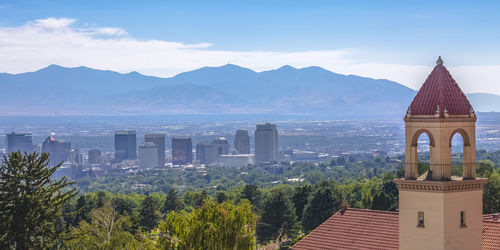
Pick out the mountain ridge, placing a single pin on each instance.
(226, 89)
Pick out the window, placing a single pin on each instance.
(420, 219)
(462, 219)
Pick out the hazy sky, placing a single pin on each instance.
(380, 39)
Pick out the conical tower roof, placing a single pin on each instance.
(440, 94)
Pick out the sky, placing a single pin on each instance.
(396, 40)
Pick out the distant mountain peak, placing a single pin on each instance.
(286, 67)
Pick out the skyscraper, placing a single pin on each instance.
(204, 152)
(159, 140)
(94, 156)
(19, 142)
(242, 142)
(182, 151)
(58, 150)
(266, 143)
(220, 146)
(125, 145)
(148, 155)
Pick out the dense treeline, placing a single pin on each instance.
(234, 218)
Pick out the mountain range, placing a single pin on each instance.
(229, 89)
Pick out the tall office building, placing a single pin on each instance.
(148, 155)
(266, 143)
(159, 140)
(204, 152)
(242, 142)
(94, 156)
(58, 150)
(182, 151)
(125, 145)
(19, 142)
(220, 146)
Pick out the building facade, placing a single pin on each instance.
(159, 140)
(148, 156)
(19, 142)
(94, 156)
(242, 142)
(235, 161)
(182, 151)
(58, 150)
(125, 145)
(204, 153)
(266, 143)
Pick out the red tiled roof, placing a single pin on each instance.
(357, 229)
(491, 233)
(440, 89)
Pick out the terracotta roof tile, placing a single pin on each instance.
(491, 233)
(357, 229)
(440, 89)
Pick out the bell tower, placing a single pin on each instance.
(438, 210)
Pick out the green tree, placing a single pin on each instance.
(106, 231)
(491, 194)
(172, 202)
(148, 213)
(325, 201)
(213, 226)
(30, 201)
(253, 194)
(382, 201)
(278, 219)
(300, 199)
(485, 168)
(221, 197)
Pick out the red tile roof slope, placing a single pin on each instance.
(440, 89)
(357, 229)
(491, 233)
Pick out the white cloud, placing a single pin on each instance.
(58, 41)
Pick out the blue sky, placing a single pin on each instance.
(404, 35)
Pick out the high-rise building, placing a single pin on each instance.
(242, 142)
(159, 140)
(75, 156)
(19, 142)
(125, 145)
(220, 146)
(182, 151)
(204, 153)
(266, 143)
(58, 150)
(94, 156)
(148, 155)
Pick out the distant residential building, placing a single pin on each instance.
(204, 152)
(19, 142)
(182, 151)
(239, 160)
(266, 143)
(242, 142)
(94, 156)
(125, 145)
(159, 140)
(58, 150)
(148, 155)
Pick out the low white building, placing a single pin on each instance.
(239, 160)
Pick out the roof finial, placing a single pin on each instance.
(439, 61)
